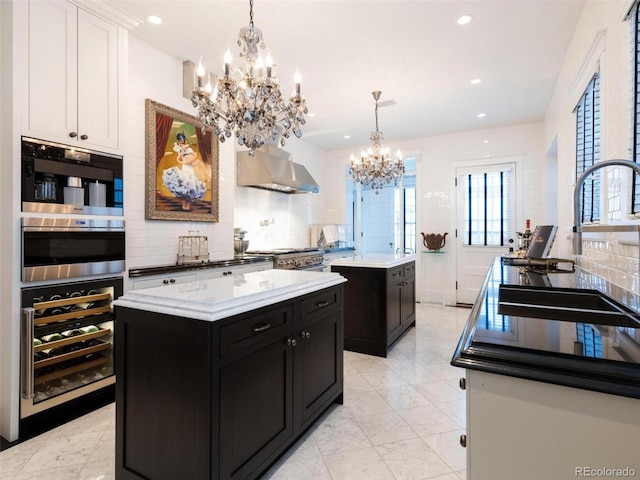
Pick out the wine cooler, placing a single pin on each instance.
(66, 342)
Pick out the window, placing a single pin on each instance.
(634, 17)
(488, 207)
(588, 148)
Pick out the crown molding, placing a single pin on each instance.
(109, 11)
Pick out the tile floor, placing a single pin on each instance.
(401, 420)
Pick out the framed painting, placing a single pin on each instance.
(182, 166)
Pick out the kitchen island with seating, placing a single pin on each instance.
(379, 303)
(552, 379)
(217, 378)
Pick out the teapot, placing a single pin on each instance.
(434, 241)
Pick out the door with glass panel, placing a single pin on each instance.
(485, 207)
(388, 216)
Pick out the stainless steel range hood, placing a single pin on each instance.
(271, 168)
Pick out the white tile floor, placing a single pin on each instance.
(401, 420)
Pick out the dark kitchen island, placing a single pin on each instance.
(552, 377)
(217, 378)
(380, 300)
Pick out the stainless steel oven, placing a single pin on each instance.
(56, 248)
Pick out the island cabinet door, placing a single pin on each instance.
(256, 410)
(318, 366)
(408, 299)
(163, 395)
(394, 304)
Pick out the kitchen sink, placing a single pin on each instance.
(587, 306)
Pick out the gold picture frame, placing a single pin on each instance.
(181, 168)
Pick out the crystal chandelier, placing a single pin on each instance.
(375, 167)
(247, 100)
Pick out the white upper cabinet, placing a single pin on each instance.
(73, 76)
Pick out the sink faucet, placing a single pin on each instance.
(577, 204)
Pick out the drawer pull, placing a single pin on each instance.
(397, 274)
(321, 304)
(262, 328)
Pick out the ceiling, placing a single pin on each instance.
(413, 51)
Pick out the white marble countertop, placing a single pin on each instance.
(224, 297)
(374, 260)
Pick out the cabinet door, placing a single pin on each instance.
(256, 409)
(394, 305)
(97, 79)
(318, 361)
(408, 301)
(53, 55)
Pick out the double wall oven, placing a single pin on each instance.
(72, 258)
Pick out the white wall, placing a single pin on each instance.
(438, 156)
(601, 40)
(155, 75)
(291, 214)
(158, 76)
(8, 329)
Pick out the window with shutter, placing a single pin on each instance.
(487, 213)
(588, 148)
(634, 18)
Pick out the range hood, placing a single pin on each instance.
(271, 168)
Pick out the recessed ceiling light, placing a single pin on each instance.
(347, 136)
(485, 141)
(475, 81)
(154, 19)
(465, 19)
(311, 114)
(481, 115)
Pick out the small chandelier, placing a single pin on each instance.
(247, 100)
(375, 167)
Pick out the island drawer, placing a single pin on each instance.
(395, 273)
(248, 331)
(325, 300)
(410, 269)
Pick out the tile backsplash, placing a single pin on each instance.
(615, 257)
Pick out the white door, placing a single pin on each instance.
(485, 207)
(378, 230)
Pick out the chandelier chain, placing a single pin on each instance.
(251, 13)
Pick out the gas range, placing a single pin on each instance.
(294, 258)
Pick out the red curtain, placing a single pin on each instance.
(204, 144)
(163, 127)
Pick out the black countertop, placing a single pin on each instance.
(162, 269)
(604, 358)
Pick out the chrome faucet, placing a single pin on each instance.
(577, 204)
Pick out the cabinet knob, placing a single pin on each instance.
(463, 383)
(165, 281)
(84, 137)
(305, 334)
(463, 440)
(73, 134)
(291, 342)
(173, 280)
